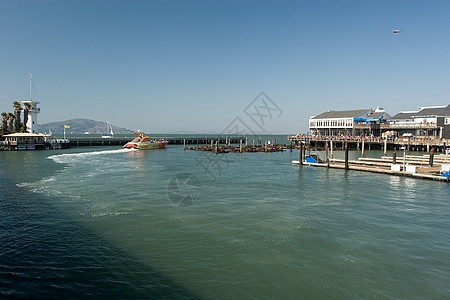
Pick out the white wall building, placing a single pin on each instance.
(347, 122)
(33, 111)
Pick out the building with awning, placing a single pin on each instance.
(25, 141)
(358, 122)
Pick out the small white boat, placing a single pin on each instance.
(110, 130)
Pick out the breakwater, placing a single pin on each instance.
(117, 141)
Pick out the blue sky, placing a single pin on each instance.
(170, 66)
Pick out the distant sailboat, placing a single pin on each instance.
(110, 130)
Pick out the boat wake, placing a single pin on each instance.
(61, 158)
(86, 183)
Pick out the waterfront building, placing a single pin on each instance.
(24, 141)
(361, 122)
(431, 121)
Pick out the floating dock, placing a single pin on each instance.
(434, 167)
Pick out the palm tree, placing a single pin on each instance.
(10, 122)
(4, 128)
(17, 112)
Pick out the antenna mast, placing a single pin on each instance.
(30, 86)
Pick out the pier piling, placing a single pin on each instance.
(362, 149)
(301, 154)
(331, 149)
(327, 148)
(385, 146)
(346, 155)
(431, 157)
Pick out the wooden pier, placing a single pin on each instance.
(423, 144)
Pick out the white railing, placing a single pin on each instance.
(409, 125)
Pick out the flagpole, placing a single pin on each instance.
(64, 132)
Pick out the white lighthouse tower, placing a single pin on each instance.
(33, 110)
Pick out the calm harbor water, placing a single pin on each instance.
(172, 224)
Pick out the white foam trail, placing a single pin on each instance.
(58, 157)
(41, 182)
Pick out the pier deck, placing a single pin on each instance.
(372, 143)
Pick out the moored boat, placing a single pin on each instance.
(144, 142)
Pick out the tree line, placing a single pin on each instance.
(11, 122)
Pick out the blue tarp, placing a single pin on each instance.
(367, 119)
(447, 174)
(311, 160)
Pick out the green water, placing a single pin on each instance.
(195, 225)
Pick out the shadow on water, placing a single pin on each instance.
(46, 255)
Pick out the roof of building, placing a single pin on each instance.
(363, 114)
(26, 134)
(378, 115)
(435, 111)
(443, 111)
(332, 114)
(403, 116)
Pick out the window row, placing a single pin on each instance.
(326, 123)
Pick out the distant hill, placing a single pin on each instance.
(80, 126)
